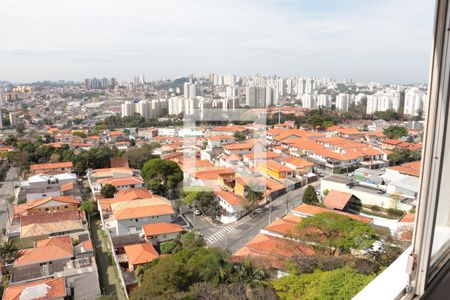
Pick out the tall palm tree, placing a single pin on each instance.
(251, 276)
(8, 251)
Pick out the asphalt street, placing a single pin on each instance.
(234, 236)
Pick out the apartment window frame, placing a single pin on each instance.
(422, 267)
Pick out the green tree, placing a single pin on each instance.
(88, 206)
(395, 132)
(162, 177)
(343, 283)
(108, 191)
(202, 200)
(177, 272)
(168, 247)
(80, 134)
(20, 128)
(138, 156)
(239, 136)
(310, 196)
(192, 240)
(253, 196)
(8, 251)
(250, 275)
(332, 233)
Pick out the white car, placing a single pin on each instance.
(197, 212)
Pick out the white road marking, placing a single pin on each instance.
(219, 235)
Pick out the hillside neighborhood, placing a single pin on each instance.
(94, 209)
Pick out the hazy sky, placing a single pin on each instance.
(368, 40)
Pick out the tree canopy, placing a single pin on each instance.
(310, 196)
(138, 156)
(342, 283)
(400, 156)
(162, 177)
(395, 132)
(108, 191)
(88, 206)
(332, 233)
(186, 274)
(203, 200)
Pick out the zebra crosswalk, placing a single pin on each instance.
(219, 235)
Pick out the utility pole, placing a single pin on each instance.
(270, 209)
(287, 202)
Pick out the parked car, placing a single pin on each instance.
(259, 210)
(197, 212)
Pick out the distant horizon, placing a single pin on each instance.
(386, 41)
(81, 81)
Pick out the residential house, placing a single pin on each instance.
(275, 170)
(342, 201)
(248, 146)
(161, 232)
(53, 168)
(232, 206)
(50, 288)
(128, 217)
(122, 183)
(299, 165)
(47, 205)
(139, 254)
(44, 225)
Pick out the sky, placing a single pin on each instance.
(385, 41)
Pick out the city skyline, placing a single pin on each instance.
(384, 41)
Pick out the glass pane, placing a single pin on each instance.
(441, 239)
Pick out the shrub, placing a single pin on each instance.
(375, 208)
(394, 212)
(168, 247)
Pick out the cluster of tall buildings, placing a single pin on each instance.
(148, 109)
(259, 96)
(190, 90)
(188, 106)
(94, 83)
(415, 100)
(139, 80)
(218, 79)
(383, 101)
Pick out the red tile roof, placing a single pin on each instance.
(52, 249)
(161, 228)
(51, 217)
(140, 253)
(49, 166)
(408, 218)
(55, 289)
(411, 168)
(229, 197)
(311, 210)
(133, 194)
(121, 181)
(336, 199)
